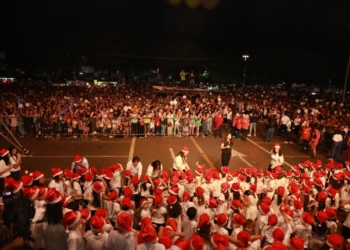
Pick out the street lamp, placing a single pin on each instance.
(245, 59)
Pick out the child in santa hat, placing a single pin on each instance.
(186, 203)
(123, 237)
(159, 213)
(199, 201)
(116, 182)
(96, 237)
(189, 223)
(304, 229)
(149, 237)
(74, 238)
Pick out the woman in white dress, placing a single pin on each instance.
(253, 199)
(14, 122)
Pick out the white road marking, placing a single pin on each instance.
(286, 163)
(172, 153)
(132, 148)
(240, 156)
(206, 158)
(104, 142)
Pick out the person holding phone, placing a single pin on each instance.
(226, 150)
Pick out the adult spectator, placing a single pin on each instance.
(253, 120)
(283, 124)
(226, 150)
(218, 121)
(271, 125)
(79, 162)
(336, 151)
(305, 137)
(135, 166)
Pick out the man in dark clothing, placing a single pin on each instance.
(272, 123)
(253, 120)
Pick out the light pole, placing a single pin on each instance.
(245, 59)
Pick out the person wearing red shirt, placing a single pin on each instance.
(219, 120)
(305, 137)
(239, 127)
(234, 122)
(315, 138)
(245, 126)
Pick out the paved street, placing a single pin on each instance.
(49, 153)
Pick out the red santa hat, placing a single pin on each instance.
(199, 191)
(126, 202)
(212, 203)
(296, 243)
(145, 221)
(338, 176)
(144, 178)
(42, 192)
(156, 182)
(128, 192)
(30, 192)
(242, 177)
(264, 208)
(307, 218)
(85, 214)
(239, 219)
(252, 188)
(189, 178)
(216, 175)
(267, 173)
(71, 219)
(267, 200)
(13, 185)
(68, 173)
(174, 180)
(219, 239)
(289, 173)
(278, 234)
(322, 216)
(89, 177)
(260, 172)
(330, 165)
(296, 196)
(225, 187)
(148, 234)
(298, 204)
(305, 176)
(158, 191)
(143, 202)
(315, 175)
(102, 212)
(174, 190)
(75, 176)
(315, 166)
(281, 191)
(124, 221)
(158, 200)
(236, 186)
(332, 192)
(108, 175)
(186, 196)
(172, 224)
(322, 196)
(331, 213)
(278, 246)
(77, 158)
(56, 171)
(318, 182)
(204, 219)
(207, 178)
(306, 190)
(307, 163)
(335, 241)
(225, 169)
(3, 152)
(27, 180)
(277, 145)
(97, 187)
(296, 174)
(220, 219)
(114, 167)
(295, 168)
(97, 223)
(37, 175)
(134, 180)
(93, 170)
(127, 173)
(272, 220)
(179, 244)
(244, 237)
(185, 149)
(172, 200)
(195, 242)
(166, 241)
(199, 170)
(347, 164)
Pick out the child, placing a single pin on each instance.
(145, 211)
(159, 213)
(74, 238)
(199, 201)
(189, 222)
(116, 182)
(222, 205)
(212, 208)
(220, 222)
(149, 237)
(175, 210)
(96, 237)
(146, 189)
(186, 203)
(113, 206)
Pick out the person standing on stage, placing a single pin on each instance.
(192, 79)
(226, 150)
(79, 162)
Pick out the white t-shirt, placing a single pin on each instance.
(116, 181)
(13, 160)
(159, 215)
(284, 119)
(83, 164)
(134, 170)
(188, 227)
(77, 189)
(276, 160)
(95, 242)
(180, 163)
(150, 246)
(337, 138)
(53, 237)
(75, 241)
(154, 174)
(59, 186)
(2, 167)
(117, 241)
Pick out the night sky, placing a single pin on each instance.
(147, 26)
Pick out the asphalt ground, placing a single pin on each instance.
(103, 151)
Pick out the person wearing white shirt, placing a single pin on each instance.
(189, 222)
(135, 166)
(16, 161)
(277, 158)
(153, 171)
(79, 162)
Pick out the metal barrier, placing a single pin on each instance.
(40, 127)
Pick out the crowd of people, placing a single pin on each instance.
(304, 207)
